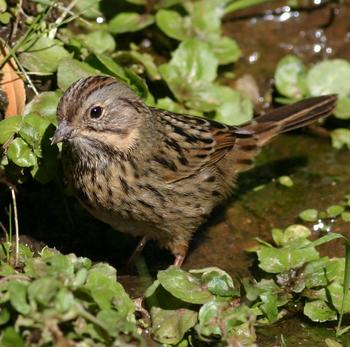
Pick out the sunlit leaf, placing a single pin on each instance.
(328, 77)
(20, 153)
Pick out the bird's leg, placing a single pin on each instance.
(140, 246)
(179, 259)
(179, 250)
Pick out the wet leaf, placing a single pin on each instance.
(193, 64)
(277, 260)
(290, 77)
(328, 77)
(20, 153)
(169, 326)
(340, 138)
(42, 55)
(342, 110)
(129, 22)
(70, 70)
(9, 127)
(183, 285)
(319, 311)
(309, 215)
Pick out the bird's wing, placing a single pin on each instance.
(191, 143)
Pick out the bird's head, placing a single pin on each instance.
(99, 110)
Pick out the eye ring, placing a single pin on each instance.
(96, 112)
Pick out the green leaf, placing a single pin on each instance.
(64, 300)
(20, 153)
(334, 211)
(295, 232)
(89, 8)
(11, 338)
(129, 22)
(290, 77)
(193, 63)
(183, 285)
(70, 70)
(43, 290)
(286, 181)
(170, 326)
(309, 215)
(319, 311)
(108, 293)
(99, 42)
(329, 76)
(277, 260)
(44, 104)
(226, 50)
(342, 110)
(208, 318)
(345, 216)
(235, 108)
(42, 55)
(173, 24)
(18, 296)
(269, 306)
(218, 282)
(340, 138)
(9, 127)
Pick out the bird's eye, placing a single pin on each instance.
(96, 112)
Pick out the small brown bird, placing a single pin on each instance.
(157, 174)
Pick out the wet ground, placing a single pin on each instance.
(320, 174)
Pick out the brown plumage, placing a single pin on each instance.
(153, 173)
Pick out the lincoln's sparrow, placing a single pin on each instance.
(153, 173)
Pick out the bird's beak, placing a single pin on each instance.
(63, 132)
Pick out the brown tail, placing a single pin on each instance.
(291, 117)
(253, 135)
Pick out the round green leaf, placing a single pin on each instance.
(290, 77)
(100, 41)
(226, 50)
(20, 153)
(342, 110)
(309, 215)
(44, 104)
(42, 54)
(170, 326)
(70, 70)
(8, 127)
(18, 296)
(88, 8)
(319, 311)
(334, 211)
(340, 137)
(129, 22)
(173, 24)
(330, 76)
(183, 285)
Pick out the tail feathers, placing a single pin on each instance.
(291, 117)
